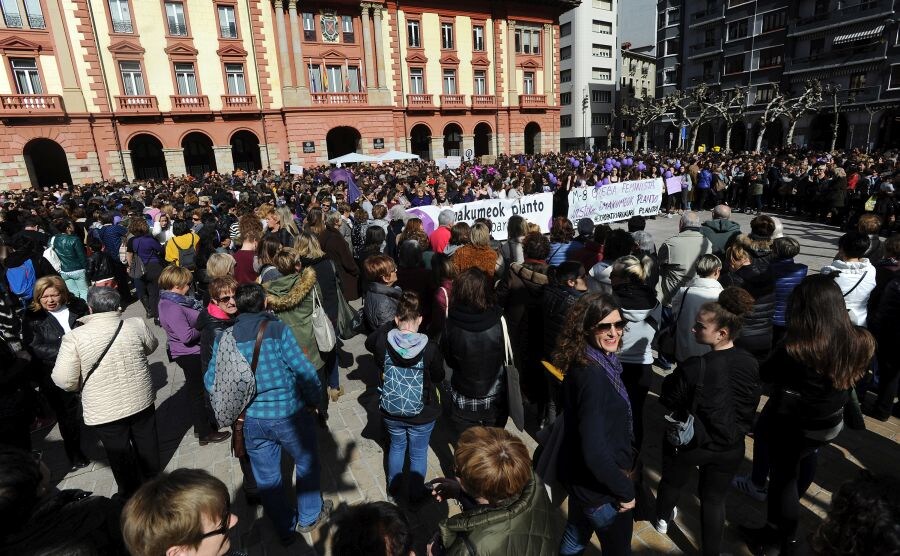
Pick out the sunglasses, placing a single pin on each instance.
(607, 326)
(225, 298)
(226, 525)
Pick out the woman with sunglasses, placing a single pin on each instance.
(726, 384)
(596, 456)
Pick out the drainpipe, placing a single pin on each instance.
(262, 119)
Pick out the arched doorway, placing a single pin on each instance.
(532, 138)
(821, 130)
(245, 151)
(198, 154)
(738, 133)
(452, 140)
(420, 141)
(706, 135)
(483, 139)
(147, 157)
(774, 136)
(46, 163)
(343, 140)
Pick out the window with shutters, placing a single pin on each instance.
(132, 79)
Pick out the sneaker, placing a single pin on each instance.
(744, 484)
(662, 525)
(327, 506)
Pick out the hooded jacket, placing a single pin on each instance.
(290, 298)
(788, 276)
(685, 306)
(678, 260)
(856, 280)
(643, 312)
(380, 304)
(406, 350)
(523, 527)
(472, 345)
(720, 232)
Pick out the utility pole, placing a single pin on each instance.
(585, 104)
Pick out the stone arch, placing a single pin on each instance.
(343, 140)
(453, 139)
(199, 157)
(147, 157)
(483, 139)
(245, 150)
(46, 162)
(420, 140)
(532, 138)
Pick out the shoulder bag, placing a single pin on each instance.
(513, 388)
(238, 449)
(51, 255)
(322, 327)
(347, 318)
(100, 359)
(136, 268)
(680, 433)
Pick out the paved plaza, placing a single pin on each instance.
(352, 450)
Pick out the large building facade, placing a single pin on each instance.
(112, 89)
(853, 46)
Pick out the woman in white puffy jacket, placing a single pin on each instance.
(642, 311)
(703, 288)
(854, 274)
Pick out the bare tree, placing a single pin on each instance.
(833, 92)
(770, 114)
(643, 112)
(793, 108)
(693, 108)
(731, 107)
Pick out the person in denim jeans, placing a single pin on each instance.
(280, 417)
(400, 344)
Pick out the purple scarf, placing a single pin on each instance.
(613, 368)
(184, 301)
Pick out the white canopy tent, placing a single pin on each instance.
(353, 157)
(397, 155)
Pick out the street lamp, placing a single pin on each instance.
(585, 104)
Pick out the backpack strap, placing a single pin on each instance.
(861, 278)
(239, 424)
(102, 355)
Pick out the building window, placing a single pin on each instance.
(34, 14)
(601, 51)
(528, 40)
(816, 46)
(709, 37)
(414, 40)
(737, 30)
(708, 70)
(528, 83)
(416, 81)
(601, 96)
(447, 36)
(176, 20)
(309, 27)
(857, 81)
(25, 72)
(234, 79)
(347, 29)
(670, 76)
(315, 79)
(602, 27)
(565, 53)
(185, 78)
(671, 47)
(334, 80)
(673, 16)
(227, 23)
(449, 82)
(11, 16)
(602, 4)
(734, 64)
(132, 78)
(771, 57)
(565, 76)
(601, 74)
(353, 79)
(821, 6)
(565, 99)
(478, 38)
(773, 21)
(565, 120)
(764, 94)
(601, 119)
(480, 82)
(121, 16)
(894, 80)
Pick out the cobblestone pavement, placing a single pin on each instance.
(353, 456)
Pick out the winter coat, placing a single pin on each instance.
(678, 260)
(100, 267)
(15, 395)
(523, 527)
(560, 252)
(644, 313)
(70, 250)
(440, 239)
(788, 276)
(286, 381)
(705, 179)
(336, 249)
(485, 258)
(685, 306)
(882, 319)
(836, 196)
(556, 302)
(43, 334)
(380, 345)
(473, 347)
(179, 322)
(856, 280)
(758, 280)
(210, 327)
(728, 401)
(380, 304)
(291, 299)
(599, 280)
(328, 283)
(885, 271)
(520, 296)
(720, 232)
(122, 385)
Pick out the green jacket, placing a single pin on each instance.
(524, 527)
(290, 298)
(70, 251)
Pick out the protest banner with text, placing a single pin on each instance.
(534, 208)
(615, 201)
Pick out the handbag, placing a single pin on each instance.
(96, 364)
(546, 458)
(789, 405)
(667, 337)
(322, 327)
(136, 268)
(51, 256)
(347, 323)
(680, 433)
(238, 448)
(513, 389)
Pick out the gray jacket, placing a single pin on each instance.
(380, 305)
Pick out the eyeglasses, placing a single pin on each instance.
(226, 525)
(225, 298)
(607, 326)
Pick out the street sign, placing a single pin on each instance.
(309, 147)
(378, 143)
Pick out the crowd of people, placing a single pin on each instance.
(256, 271)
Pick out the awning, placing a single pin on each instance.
(858, 35)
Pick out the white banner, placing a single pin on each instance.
(616, 201)
(533, 208)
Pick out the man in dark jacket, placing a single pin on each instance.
(720, 230)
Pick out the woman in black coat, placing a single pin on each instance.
(335, 247)
(54, 312)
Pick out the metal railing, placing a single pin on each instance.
(177, 30)
(340, 98)
(137, 103)
(12, 20)
(842, 16)
(837, 56)
(122, 26)
(228, 31)
(36, 21)
(698, 50)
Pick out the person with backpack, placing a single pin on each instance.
(411, 367)
(72, 258)
(181, 250)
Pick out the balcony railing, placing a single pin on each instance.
(12, 20)
(419, 100)
(31, 105)
(238, 103)
(228, 31)
(700, 50)
(189, 103)
(863, 10)
(484, 102)
(453, 101)
(121, 26)
(861, 95)
(340, 98)
(709, 15)
(177, 30)
(143, 104)
(36, 21)
(836, 58)
(532, 101)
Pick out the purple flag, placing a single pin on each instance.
(344, 174)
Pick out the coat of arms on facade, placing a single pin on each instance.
(329, 27)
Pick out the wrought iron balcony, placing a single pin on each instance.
(836, 58)
(31, 105)
(142, 104)
(418, 100)
(484, 102)
(453, 102)
(239, 103)
(36, 21)
(13, 21)
(177, 29)
(532, 101)
(189, 103)
(340, 98)
(122, 26)
(861, 11)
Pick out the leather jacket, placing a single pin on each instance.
(473, 347)
(43, 333)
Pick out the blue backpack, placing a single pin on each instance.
(402, 394)
(21, 281)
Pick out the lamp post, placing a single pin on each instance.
(585, 104)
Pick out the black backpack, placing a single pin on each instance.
(187, 258)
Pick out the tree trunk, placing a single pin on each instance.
(759, 138)
(834, 132)
(636, 140)
(790, 135)
(695, 130)
(727, 138)
(646, 143)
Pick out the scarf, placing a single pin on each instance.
(184, 301)
(613, 368)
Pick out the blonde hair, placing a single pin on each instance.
(219, 265)
(480, 235)
(286, 261)
(307, 246)
(492, 463)
(287, 220)
(168, 511)
(736, 254)
(531, 227)
(629, 269)
(44, 284)
(174, 277)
